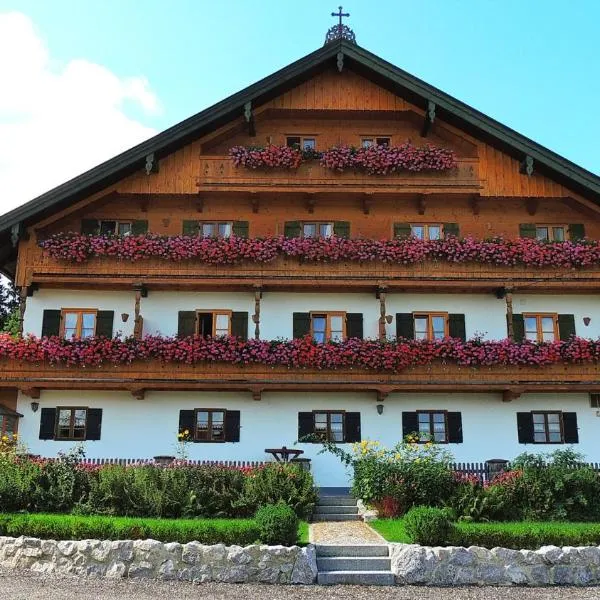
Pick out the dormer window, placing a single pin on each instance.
(367, 142)
(298, 141)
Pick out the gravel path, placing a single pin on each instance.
(344, 532)
(37, 587)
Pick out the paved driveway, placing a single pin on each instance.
(34, 587)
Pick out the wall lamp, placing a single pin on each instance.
(379, 409)
(35, 406)
(124, 317)
(586, 321)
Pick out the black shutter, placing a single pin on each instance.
(139, 227)
(455, 432)
(405, 326)
(232, 426)
(527, 230)
(456, 326)
(291, 229)
(566, 327)
(451, 229)
(186, 323)
(410, 423)
(190, 228)
(301, 324)
(402, 230)
(352, 424)
(186, 423)
(51, 323)
(570, 429)
(94, 424)
(306, 424)
(90, 227)
(576, 231)
(104, 323)
(239, 325)
(354, 325)
(518, 328)
(240, 228)
(47, 423)
(525, 427)
(342, 229)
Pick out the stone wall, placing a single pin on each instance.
(549, 565)
(152, 559)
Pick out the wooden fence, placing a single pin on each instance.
(150, 461)
(484, 471)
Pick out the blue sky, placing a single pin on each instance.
(533, 65)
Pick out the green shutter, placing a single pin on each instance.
(342, 229)
(570, 429)
(306, 426)
(93, 427)
(104, 323)
(139, 227)
(301, 324)
(186, 423)
(525, 427)
(240, 229)
(455, 431)
(518, 328)
(527, 230)
(354, 325)
(232, 426)
(291, 229)
(405, 326)
(410, 423)
(352, 427)
(239, 325)
(576, 231)
(190, 228)
(186, 323)
(51, 323)
(90, 227)
(566, 327)
(456, 327)
(402, 230)
(451, 230)
(47, 423)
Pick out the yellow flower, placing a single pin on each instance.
(186, 432)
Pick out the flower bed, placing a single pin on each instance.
(75, 247)
(354, 353)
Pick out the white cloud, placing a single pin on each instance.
(56, 123)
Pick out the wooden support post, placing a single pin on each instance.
(22, 306)
(138, 322)
(509, 313)
(256, 315)
(382, 313)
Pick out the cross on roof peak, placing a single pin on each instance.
(340, 14)
(340, 31)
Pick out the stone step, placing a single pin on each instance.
(341, 510)
(336, 501)
(324, 550)
(335, 517)
(349, 563)
(356, 577)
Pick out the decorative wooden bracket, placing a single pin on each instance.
(367, 203)
(18, 232)
(138, 393)
(151, 163)
(199, 203)
(144, 203)
(531, 204)
(32, 392)
(142, 289)
(256, 393)
(249, 116)
(421, 204)
(255, 202)
(383, 392)
(429, 118)
(380, 295)
(138, 321)
(310, 203)
(474, 204)
(512, 394)
(256, 315)
(527, 166)
(32, 288)
(340, 61)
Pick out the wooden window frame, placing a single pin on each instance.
(426, 227)
(551, 233)
(214, 312)
(216, 224)
(432, 439)
(317, 224)
(328, 314)
(374, 138)
(546, 429)
(80, 312)
(71, 425)
(210, 411)
(430, 315)
(117, 222)
(302, 138)
(538, 317)
(329, 432)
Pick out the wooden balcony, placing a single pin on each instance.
(140, 377)
(218, 173)
(292, 274)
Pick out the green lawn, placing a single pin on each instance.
(517, 535)
(303, 533)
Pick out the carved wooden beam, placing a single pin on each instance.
(311, 201)
(367, 202)
(527, 166)
(340, 61)
(511, 394)
(421, 204)
(138, 321)
(199, 203)
(531, 205)
(509, 312)
(256, 393)
(32, 392)
(255, 202)
(429, 118)
(474, 204)
(22, 306)
(151, 163)
(256, 315)
(144, 203)
(382, 312)
(249, 117)
(138, 393)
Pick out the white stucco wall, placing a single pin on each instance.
(145, 428)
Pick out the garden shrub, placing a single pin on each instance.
(428, 526)
(277, 524)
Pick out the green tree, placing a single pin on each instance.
(9, 307)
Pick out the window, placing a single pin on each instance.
(595, 400)
(304, 143)
(547, 428)
(541, 327)
(215, 229)
(210, 425)
(431, 326)
(71, 423)
(433, 426)
(329, 426)
(214, 323)
(320, 230)
(427, 232)
(78, 323)
(116, 227)
(329, 326)
(550, 233)
(367, 142)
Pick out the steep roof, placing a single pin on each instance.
(355, 58)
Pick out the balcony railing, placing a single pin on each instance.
(219, 173)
